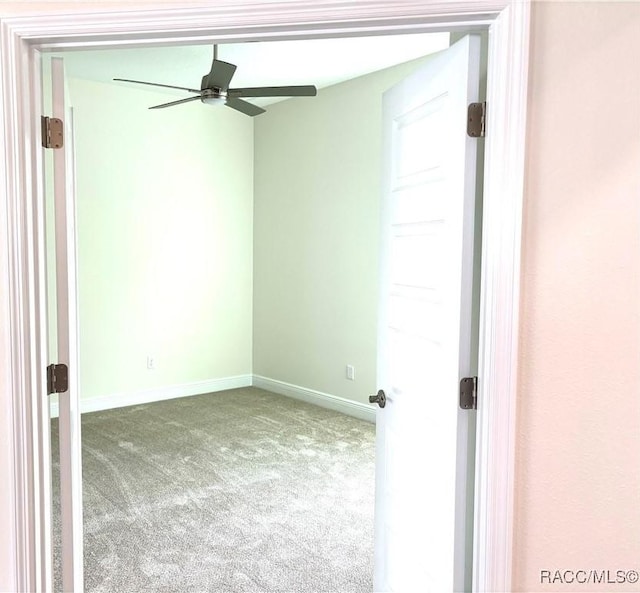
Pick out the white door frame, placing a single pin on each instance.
(23, 333)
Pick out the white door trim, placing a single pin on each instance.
(22, 310)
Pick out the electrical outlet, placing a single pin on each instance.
(351, 372)
(151, 363)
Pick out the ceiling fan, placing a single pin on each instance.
(215, 89)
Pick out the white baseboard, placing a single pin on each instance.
(133, 398)
(333, 402)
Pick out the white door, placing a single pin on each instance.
(424, 336)
(67, 339)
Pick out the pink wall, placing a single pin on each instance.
(578, 474)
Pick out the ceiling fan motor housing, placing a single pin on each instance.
(213, 96)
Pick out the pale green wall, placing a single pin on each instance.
(207, 243)
(165, 232)
(317, 199)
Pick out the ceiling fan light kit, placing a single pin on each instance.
(214, 89)
(213, 97)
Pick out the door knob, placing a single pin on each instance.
(379, 398)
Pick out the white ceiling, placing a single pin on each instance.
(322, 62)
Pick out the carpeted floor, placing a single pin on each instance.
(237, 491)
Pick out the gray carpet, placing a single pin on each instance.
(237, 491)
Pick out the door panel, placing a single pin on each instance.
(424, 341)
(67, 340)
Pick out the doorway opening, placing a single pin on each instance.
(137, 203)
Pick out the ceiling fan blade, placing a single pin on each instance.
(166, 86)
(219, 77)
(244, 107)
(175, 102)
(275, 91)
